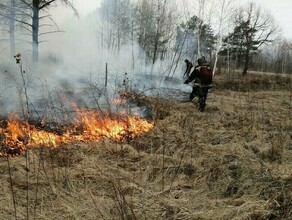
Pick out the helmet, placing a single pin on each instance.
(201, 61)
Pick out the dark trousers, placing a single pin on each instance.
(202, 93)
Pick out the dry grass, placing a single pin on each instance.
(231, 162)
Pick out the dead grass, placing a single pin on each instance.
(231, 162)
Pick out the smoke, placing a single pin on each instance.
(73, 67)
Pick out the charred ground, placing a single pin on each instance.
(231, 162)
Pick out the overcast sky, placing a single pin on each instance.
(280, 9)
(282, 12)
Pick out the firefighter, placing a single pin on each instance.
(188, 69)
(202, 76)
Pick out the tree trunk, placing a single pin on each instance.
(215, 62)
(35, 34)
(179, 54)
(155, 50)
(12, 28)
(246, 63)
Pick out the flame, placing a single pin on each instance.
(89, 127)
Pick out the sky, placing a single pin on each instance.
(282, 12)
(280, 9)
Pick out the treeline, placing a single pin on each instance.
(232, 37)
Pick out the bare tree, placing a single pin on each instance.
(116, 18)
(223, 12)
(253, 28)
(38, 10)
(285, 56)
(12, 27)
(201, 16)
(156, 26)
(8, 14)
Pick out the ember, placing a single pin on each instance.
(90, 126)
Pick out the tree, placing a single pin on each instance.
(200, 39)
(201, 16)
(116, 17)
(284, 57)
(8, 13)
(276, 58)
(155, 21)
(223, 11)
(12, 28)
(253, 28)
(34, 10)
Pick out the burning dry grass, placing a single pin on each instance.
(18, 135)
(231, 162)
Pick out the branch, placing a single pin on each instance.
(23, 35)
(24, 27)
(51, 32)
(15, 19)
(54, 23)
(27, 4)
(22, 14)
(44, 41)
(23, 22)
(46, 4)
(45, 25)
(45, 16)
(67, 2)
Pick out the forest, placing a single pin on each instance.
(229, 35)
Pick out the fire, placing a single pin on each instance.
(116, 127)
(89, 127)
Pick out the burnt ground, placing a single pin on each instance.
(232, 161)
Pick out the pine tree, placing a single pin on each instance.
(252, 30)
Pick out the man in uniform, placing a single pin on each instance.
(188, 69)
(202, 77)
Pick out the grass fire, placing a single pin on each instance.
(89, 126)
(232, 161)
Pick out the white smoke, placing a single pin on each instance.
(73, 64)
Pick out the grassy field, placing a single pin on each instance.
(233, 161)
